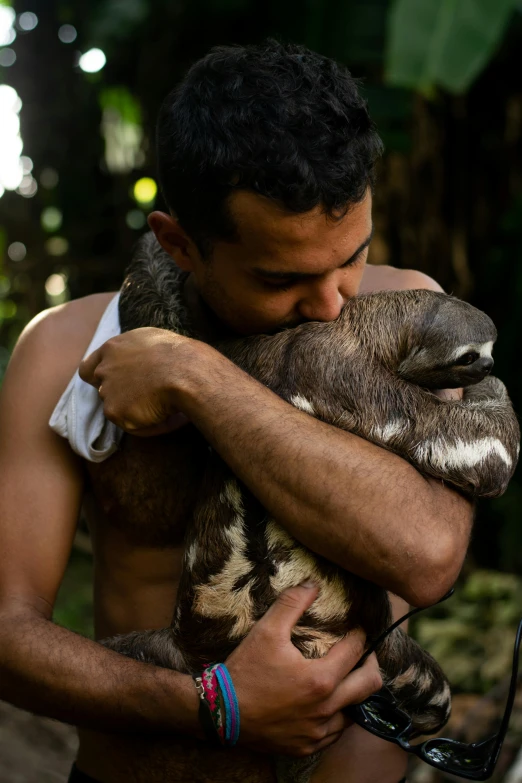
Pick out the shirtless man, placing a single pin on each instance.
(260, 264)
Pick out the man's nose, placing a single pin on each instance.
(323, 302)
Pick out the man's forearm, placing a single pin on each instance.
(343, 497)
(51, 671)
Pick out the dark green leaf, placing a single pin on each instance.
(445, 43)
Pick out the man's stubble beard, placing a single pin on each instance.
(224, 312)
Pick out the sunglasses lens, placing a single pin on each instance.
(456, 756)
(383, 717)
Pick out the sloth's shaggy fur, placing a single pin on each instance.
(368, 372)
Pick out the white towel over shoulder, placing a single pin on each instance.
(78, 416)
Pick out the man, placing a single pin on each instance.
(266, 159)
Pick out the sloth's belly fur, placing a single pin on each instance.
(237, 560)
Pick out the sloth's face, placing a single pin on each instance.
(283, 269)
(454, 348)
(469, 364)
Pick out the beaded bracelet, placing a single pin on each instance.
(218, 707)
(210, 715)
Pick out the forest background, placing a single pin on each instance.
(81, 82)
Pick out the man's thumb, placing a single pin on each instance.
(288, 608)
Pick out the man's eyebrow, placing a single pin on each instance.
(274, 274)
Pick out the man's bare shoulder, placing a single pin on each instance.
(389, 278)
(72, 325)
(52, 346)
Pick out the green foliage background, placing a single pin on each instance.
(444, 84)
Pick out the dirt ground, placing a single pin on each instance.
(33, 749)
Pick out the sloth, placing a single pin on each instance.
(371, 372)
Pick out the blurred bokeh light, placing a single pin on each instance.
(67, 33)
(27, 21)
(92, 61)
(11, 145)
(17, 251)
(145, 191)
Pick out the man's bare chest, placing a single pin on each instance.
(149, 487)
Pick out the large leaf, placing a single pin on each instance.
(443, 42)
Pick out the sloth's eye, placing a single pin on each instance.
(467, 358)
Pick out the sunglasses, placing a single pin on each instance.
(381, 715)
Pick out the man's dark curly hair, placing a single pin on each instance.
(276, 119)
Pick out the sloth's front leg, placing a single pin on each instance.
(490, 389)
(156, 647)
(473, 443)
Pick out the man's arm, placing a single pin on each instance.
(291, 705)
(345, 498)
(45, 668)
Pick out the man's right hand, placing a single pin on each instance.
(290, 704)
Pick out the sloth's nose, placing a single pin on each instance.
(484, 365)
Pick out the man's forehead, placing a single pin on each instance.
(264, 226)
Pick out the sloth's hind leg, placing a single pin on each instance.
(156, 647)
(416, 681)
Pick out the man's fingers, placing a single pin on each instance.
(171, 424)
(331, 731)
(358, 685)
(329, 740)
(336, 725)
(334, 731)
(287, 609)
(87, 368)
(345, 654)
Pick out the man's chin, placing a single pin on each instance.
(229, 326)
(287, 325)
(253, 330)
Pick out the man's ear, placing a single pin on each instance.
(173, 239)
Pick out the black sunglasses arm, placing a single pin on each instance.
(377, 642)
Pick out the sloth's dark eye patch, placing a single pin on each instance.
(467, 358)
